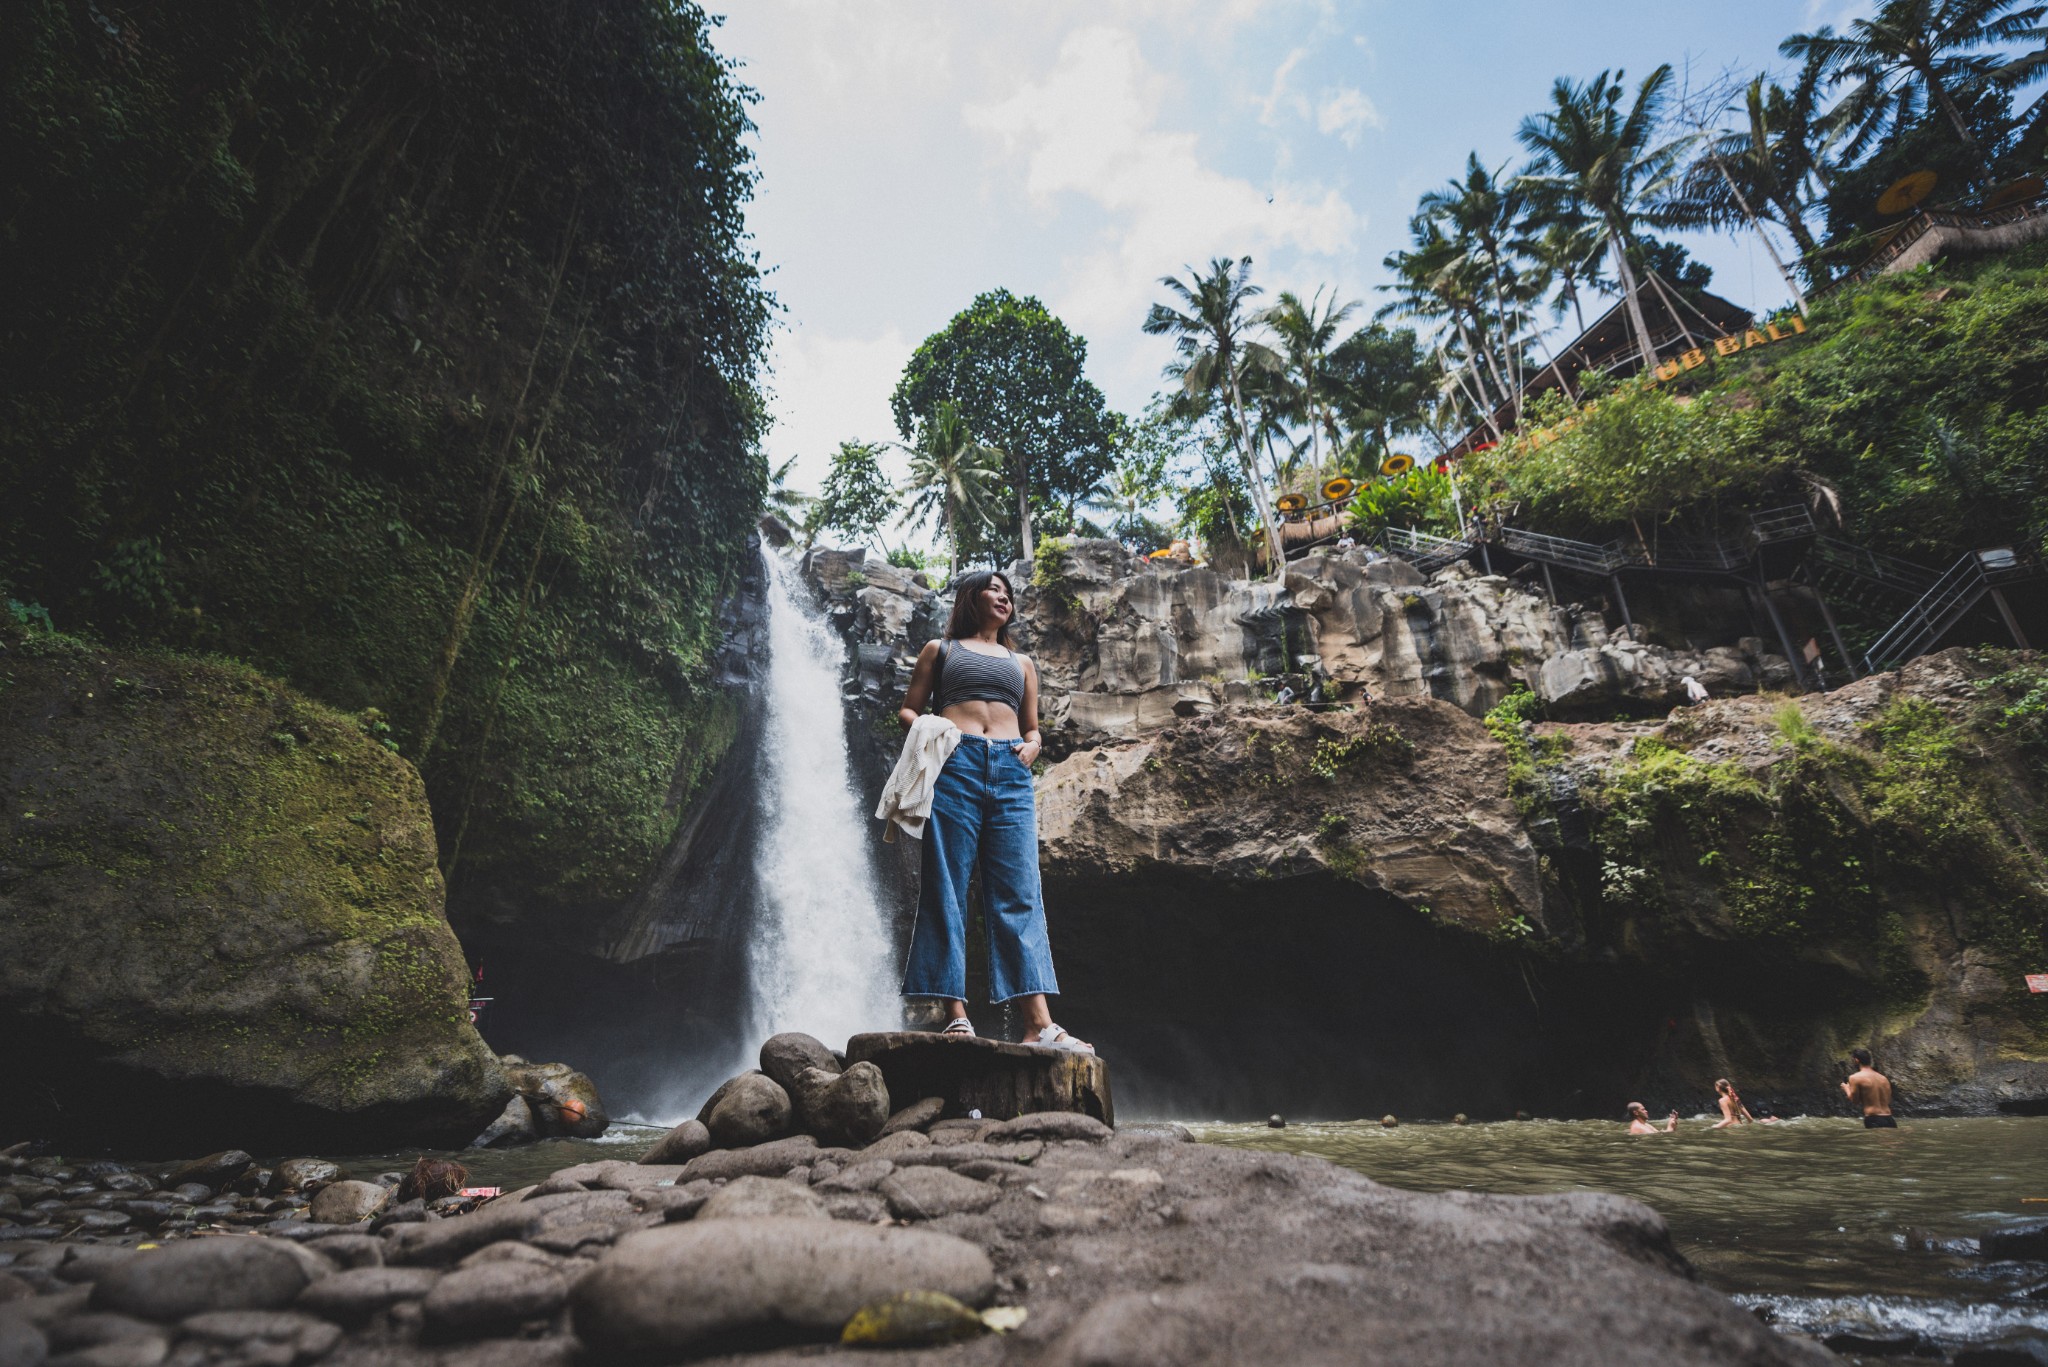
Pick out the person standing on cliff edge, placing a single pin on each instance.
(1870, 1092)
(976, 809)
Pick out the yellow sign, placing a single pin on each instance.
(1728, 346)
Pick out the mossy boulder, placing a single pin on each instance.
(221, 918)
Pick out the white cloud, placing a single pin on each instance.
(1279, 95)
(1345, 113)
(1090, 130)
(827, 390)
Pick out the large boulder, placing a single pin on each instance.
(847, 1108)
(563, 1102)
(220, 915)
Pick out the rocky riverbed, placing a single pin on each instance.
(1047, 1238)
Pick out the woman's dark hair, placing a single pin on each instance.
(1722, 1084)
(966, 618)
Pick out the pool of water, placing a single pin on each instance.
(1825, 1226)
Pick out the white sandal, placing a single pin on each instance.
(1056, 1037)
(959, 1026)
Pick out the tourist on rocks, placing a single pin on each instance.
(1639, 1120)
(977, 810)
(1733, 1112)
(1695, 691)
(1870, 1092)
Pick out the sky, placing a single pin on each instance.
(914, 153)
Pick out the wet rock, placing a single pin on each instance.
(674, 1289)
(442, 1242)
(1169, 1131)
(150, 1214)
(304, 1174)
(562, 1351)
(913, 1318)
(916, 1116)
(784, 1058)
(861, 1207)
(1047, 1125)
(472, 1302)
(1880, 1343)
(351, 1297)
(90, 1262)
(681, 1144)
(404, 1213)
(135, 1352)
(2019, 1352)
(348, 1202)
(760, 1160)
(214, 1172)
(752, 1110)
(514, 1125)
(517, 1253)
(927, 1193)
(191, 1193)
(563, 1101)
(21, 1343)
(748, 1197)
(189, 1277)
(2027, 1240)
(841, 1108)
(676, 1203)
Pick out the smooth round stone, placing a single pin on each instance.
(784, 1057)
(926, 1193)
(303, 1337)
(360, 1292)
(215, 1170)
(680, 1144)
(667, 1290)
(472, 1302)
(99, 1221)
(192, 1276)
(753, 1110)
(21, 1343)
(301, 1173)
(96, 1327)
(348, 1203)
(746, 1197)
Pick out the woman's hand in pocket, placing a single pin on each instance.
(1028, 752)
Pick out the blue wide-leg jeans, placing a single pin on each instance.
(982, 813)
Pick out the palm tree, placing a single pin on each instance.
(1307, 333)
(1591, 151)
(789, 505)
(1759, 171)
(1480, 214)
(1914, 55)
(1213, 356)
(952, 476)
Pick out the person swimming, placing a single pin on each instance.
(1733, 1112)
(1639, 1120)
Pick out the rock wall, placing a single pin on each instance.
(220, 916)
(1378, 905)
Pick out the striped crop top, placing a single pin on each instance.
(968, 676)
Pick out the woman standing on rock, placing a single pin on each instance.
(981, 739)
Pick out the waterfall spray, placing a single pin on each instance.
(820, 959)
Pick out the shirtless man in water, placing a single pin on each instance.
(1872, 1091)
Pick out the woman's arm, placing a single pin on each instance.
(1027, 720)
(920, 691)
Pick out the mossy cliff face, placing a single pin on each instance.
(1796, 878)
(220, 916)
(1392, 909)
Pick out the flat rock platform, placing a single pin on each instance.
(999, 1079)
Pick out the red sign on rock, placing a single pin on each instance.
(2037, 982)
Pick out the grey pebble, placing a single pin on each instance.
(194, 1275)
(473, 1302)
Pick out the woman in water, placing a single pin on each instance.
(1733, 1112)
(1639, 1120)
(982, 813)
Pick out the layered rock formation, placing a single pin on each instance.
(220, 915)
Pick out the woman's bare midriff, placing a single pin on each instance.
(991, 719)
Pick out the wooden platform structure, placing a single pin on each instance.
(1000, 1080)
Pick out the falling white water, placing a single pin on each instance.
(821, 959)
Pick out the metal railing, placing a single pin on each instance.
(1424, 550)
(1945, 604)
(1694, 555)
(1888, 572)
(1924, 222)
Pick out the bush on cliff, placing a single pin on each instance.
(408, 353)
(220, 915)
(1914, 401)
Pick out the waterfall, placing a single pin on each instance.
(820, 958)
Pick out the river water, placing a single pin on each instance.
(1822, 1226)
(1825, 1227)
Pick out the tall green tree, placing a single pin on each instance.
(1607, 158)
(1916, 56)
(1307, 333)
(1382, 381)
(1480, 214)
(857, 498)
(1214, 354)
(1016, 374)
(955, 480)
